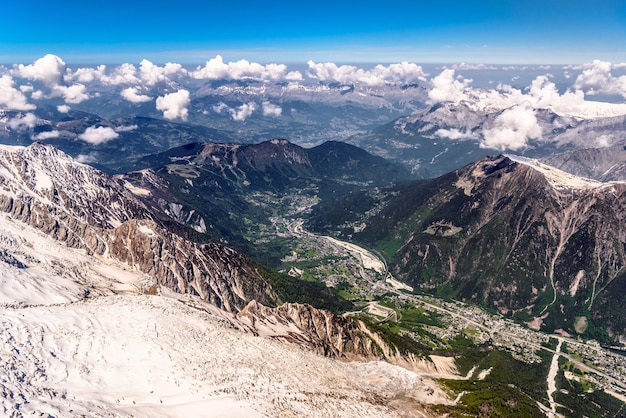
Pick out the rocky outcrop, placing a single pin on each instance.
(604, 164)
(82, 207)
(519, 236)
(318, 330)
(219, 275)
(334, 336)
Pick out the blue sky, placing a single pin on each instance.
(186, 31)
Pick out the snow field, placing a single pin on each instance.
(78, 339)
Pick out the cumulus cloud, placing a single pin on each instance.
(243, 112)
(270, 109)
(49, 69)
(448, 88)
(132, 95)
(152, 74)
(174, 105)
(217, 69)
(74, 94)
(85, 158)
(454, 134)
(220, 107)
(10, 97)
(541, 94)
(512, 129)
(86, 75)
(98, 135)
(604, 141)
(28, 120)
(42, 136)
(544, 94)
(148, 74)
(63, 108)
(396, 74)
(596, 78)
(124, 74)
(126, 128)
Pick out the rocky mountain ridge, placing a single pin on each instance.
(219, 188)
(529, 240)
(84, 209)
(81, 206)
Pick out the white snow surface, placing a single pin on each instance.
(120, 353)
(560, 179)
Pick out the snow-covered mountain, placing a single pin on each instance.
(83, 336)
(108, 311)
(82, 207)
(445, 136)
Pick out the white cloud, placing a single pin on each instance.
(220, 107)
(396, 74)
(270, 109)
(42, 136)
(174, 105)
(448, 88)
(132, 95)
(98, 135)
(12, 98)
(541, 94)
(85, 158)
(512, 129)
(152, 74)
(76, 93)
(604, 141)
(87, 75)
(49, 69)
(454, 134)
(63, 108)
(217, 69)
(149, 74)
(596, 78)
(126, 128)
(294, 76)
(28, 120)
(545, 95)
(243, 112)
(124, 74)
(465, 66)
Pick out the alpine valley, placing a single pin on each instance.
(243, 240)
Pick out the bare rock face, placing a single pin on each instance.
(519, 236)
(334, 336)
(319, 330)
(217, 274)
(86, 209)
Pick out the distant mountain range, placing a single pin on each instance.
(114, 148)
(440, 138)
(212, 187)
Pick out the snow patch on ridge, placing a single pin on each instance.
(559, 179)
